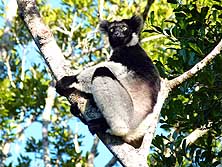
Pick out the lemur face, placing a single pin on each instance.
(121, 33)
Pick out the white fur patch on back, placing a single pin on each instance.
(134, 40)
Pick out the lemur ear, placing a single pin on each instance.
(136, 23)
(103, 26)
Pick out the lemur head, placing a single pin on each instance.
(124, 32)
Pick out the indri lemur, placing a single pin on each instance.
(124, 88)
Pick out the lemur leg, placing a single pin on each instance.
(113, 101)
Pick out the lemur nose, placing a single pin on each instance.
(118, 34)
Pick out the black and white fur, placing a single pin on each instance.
(125, 88)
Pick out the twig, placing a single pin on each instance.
(66, 32)
(24, 52)
(73, 27)
(7, 64)
(152, 38)
(91, 50)
(23, 67)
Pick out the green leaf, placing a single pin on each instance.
(151, 17)
(204, 12)
(195, 48)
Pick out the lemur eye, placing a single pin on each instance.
(124, 28)
(111, 29)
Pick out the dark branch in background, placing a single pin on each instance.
(147, 8)
(112, 162)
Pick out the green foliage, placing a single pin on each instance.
(27, 101)
(195, 29)
(12, 97)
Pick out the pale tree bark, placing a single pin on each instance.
(192, 137)
(126, 154)
(93, 152)
(43, 38)
(49, 102)
(5, 44)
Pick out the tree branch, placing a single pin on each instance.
(154, 116)
(43, 39)
(199, 66)
(100, 11)
(191, 138)
(93, 152)
(152, 38)
(196, 134)
(49, 101)
(147, 8)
